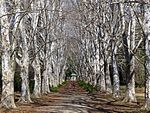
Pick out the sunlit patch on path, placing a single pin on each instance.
(73, 99)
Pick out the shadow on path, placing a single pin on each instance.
(73, 99)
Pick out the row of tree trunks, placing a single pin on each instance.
(32, 35)
(26, 39)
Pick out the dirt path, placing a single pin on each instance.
(73, 99)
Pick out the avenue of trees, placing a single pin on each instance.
(105, 42)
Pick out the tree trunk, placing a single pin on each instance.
(24, 64)
(7, 99)
(108, 79)
(130, 78)
(116, 81)
(45, 79)
(25, 90)
(102, 77)
(37, 78)
(114, 42)
(130, 91)
(129, 44)
(107, 57)
(45, 83)
(147, 52)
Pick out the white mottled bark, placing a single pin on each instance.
(45, 77)
(130, 91)
(45, 83)
(37, 78)
(114, 48)
(25, 90)
(107, 63)
(23, 61)
(147, 51)
(102, 76)
(47, 74)
(7, 99)
(107, 74)
(36, 5)
(24, 64)
(116, 81)
(37, 69)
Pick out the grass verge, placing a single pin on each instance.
(88, 87)
(55, 89)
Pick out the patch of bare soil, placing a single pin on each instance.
(73, 99)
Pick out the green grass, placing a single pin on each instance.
(56, 89)
(122, 89)
(88, 87)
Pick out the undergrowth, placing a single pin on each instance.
(88, 87)
(55, 89)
